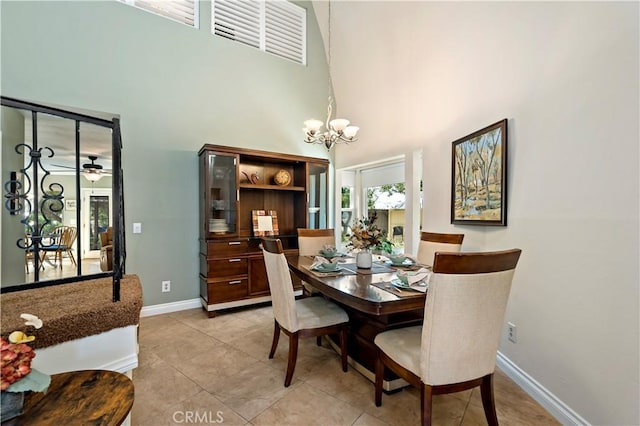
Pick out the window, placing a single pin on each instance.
(184, 11)
(276, 26)
(392, 190)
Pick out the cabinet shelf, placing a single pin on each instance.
(275, 187)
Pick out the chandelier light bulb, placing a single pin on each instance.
(337, 130)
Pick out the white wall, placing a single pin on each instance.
(422, 74)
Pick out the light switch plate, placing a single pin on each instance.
(137, 228)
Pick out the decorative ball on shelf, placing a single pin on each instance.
(282, 178)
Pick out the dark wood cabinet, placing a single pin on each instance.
(233, 183)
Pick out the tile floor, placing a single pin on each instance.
(196, 370)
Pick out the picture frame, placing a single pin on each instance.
(479, 177)
(70, 205)
(265, 223)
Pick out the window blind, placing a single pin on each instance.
(184, 11)
(274, 26)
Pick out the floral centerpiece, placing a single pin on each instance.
(366, 235)
(17, 375)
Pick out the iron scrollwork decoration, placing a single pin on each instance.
(47, 206)
(40, 203)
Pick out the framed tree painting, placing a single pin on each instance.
(479, 177)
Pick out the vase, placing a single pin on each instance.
(364, 259)
(11, 404)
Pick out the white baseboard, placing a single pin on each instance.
(558, 409)
(165, 308)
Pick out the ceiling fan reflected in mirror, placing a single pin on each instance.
(92, 171)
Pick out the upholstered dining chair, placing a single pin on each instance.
(455, 349)
(106, 249)
(431, 242)
(309, 317)
(310, 241)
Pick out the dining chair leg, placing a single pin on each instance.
(73, 259)
(293, 355)
(276, 337)
(319, 340)
(379, 378)
(343, 347)
(488, 401)
(426, 402)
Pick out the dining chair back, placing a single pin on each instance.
(455, 349)
(29, 253)
(65, 239)
(309, 317)
(431, 242)
(310, 241)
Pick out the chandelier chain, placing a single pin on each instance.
(337, 130)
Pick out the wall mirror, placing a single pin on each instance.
(62, 196)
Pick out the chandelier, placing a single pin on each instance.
(337, 130)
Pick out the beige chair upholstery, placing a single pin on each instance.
(431, 242)
(456, 347)
(310, 241)
(310, 317)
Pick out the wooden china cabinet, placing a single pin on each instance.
(234, 182)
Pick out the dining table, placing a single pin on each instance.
(373, 304)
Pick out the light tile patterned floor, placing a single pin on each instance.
(199, 370)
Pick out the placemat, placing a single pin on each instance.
(398, 291)
(342, 271)
(376, 268)
(411, 267)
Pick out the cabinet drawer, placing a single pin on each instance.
(227, 248)
(226, 267)
(224, 291)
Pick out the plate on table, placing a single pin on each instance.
(406, 262)
(326, 269)
(421, 286)
(330, 255)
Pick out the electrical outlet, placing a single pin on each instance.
(511, 332)
(166, 286)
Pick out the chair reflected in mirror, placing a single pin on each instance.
(64, 239)
(106, 250)
(29, 254)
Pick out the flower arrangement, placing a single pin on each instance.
(366, 235)
(16, 356)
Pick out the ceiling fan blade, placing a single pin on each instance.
(63, 166)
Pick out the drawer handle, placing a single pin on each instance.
(235, 282)
(234, 243)
(234, 260)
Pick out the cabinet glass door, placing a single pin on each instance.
(318, 196)
(222, 194)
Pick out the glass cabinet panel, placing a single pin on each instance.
(318, 195)
(222, 194)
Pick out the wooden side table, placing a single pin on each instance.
(95, 397)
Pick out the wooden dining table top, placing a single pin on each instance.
(357, 289)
